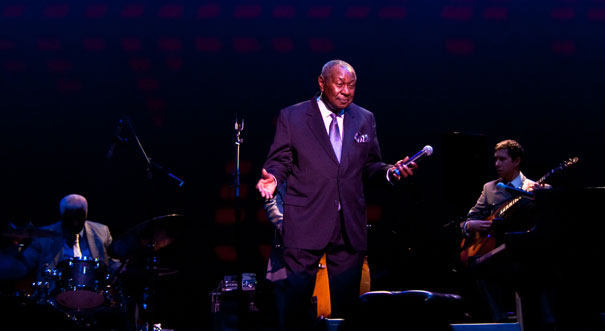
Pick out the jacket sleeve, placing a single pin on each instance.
(274, 209)
(481, 209)
(279, 161)
(374, 166)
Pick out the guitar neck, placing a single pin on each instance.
(540, 181)
(507, 206)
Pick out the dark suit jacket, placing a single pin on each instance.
(302, 155)
(45, 253)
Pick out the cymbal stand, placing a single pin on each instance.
(148, 306)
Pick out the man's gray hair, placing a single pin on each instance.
(73, 202)
(325, 70)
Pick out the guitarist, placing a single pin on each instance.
(508, 155)
(498, 292)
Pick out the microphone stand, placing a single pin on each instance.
(239, 127)
(148, 299)
(151, 165)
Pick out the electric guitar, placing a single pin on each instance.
(481, 243)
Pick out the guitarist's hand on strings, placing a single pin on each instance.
(477, 226)
(403, 169)
(536, 186)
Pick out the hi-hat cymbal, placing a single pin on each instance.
(28, 233)
(150, 235)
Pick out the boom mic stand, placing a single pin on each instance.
(148, 301)
(151, 165)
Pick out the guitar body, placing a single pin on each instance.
(322, 290)
(477, 245)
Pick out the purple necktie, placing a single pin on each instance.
(335, 137)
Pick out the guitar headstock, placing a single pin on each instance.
(569, 162)
(563, 165)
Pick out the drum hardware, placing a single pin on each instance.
(40, 291)
(81, 290)
(138, 248)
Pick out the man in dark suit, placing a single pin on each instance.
(324, 148)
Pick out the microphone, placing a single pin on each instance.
(116, 140)
(426, 151)
(516, 191)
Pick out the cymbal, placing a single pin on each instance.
(148, 236)
(28, 233)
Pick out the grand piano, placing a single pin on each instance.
(555, 249)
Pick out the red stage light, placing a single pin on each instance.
(283, 11)
(209, 11)
(392, 12)
(96, 10)
(171, 11)
(247, 11)
(133, 10)
(457, 13)
(282, 44)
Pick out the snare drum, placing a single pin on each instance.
(82, 283)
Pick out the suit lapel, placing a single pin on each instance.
(92, 244)
(318, 128)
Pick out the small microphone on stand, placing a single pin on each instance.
(426, 151)
(516, 191)
(239, 127)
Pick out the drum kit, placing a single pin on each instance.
(83, 292)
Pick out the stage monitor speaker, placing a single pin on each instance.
(487, 327)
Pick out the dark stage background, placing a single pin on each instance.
(458, 75)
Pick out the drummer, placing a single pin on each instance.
(72, 237)
(76, 237)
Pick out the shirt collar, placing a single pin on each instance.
(325, 112)
(518, 181)
(81, 233)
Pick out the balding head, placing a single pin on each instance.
(74, 210)
(327, 68)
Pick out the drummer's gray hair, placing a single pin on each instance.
(73, 202)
